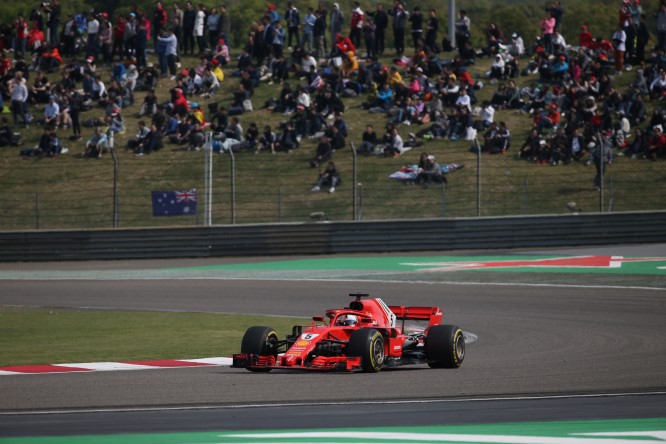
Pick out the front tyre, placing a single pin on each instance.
(445, 346)
(368, 344)
(260, 341)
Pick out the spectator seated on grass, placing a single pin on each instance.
(251, 141)
(183, 130)
(40, 92)
(497, 139)
(234, 131)
(149, 105)
(429, 171)
(328, 103)
(97, 144)
(323, 152)
(196, 137)
(150, 143)
(120, 94)
(330, 178)
(140, 136)
(49, 146)
(7, 135)
(288, 139)
(147, 79)
(368, 142)
(51, 112)
(267, 140)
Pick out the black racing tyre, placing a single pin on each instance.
(367, 343)
(445, 346)
(260, 341)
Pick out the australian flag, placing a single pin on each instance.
(175, 203)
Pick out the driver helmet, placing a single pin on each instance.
(348, 320)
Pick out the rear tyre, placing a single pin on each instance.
(368, 344)
(445, 346)
(260, 341)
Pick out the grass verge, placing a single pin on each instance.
(57, 335)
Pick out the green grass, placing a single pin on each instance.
(55, 335)
(75, 192)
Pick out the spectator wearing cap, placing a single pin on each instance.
(559, 69)
(429, 171)
(221, 52)
(517, 46)
(116, 123)
(336, 23)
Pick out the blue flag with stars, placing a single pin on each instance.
(174, 203)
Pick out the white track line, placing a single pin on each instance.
(342, 403)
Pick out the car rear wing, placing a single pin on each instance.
(432, 314)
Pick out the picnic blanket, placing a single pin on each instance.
(411, 171)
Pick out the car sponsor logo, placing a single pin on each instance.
(302, 343)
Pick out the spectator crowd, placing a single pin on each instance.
(68, 66)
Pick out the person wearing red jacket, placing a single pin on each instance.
(585, 37)
(118, 34)
(158, 22)
(21, 37)
(179, 101)
(344, 45)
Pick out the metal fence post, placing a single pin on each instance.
(354, 176)
(611, 197)
(478, 177)
(208, 178)
(360, 200)
(233, 185)
(601, 154)
(527, 196)
(37, 210)
(116, 209)
(279, 202)
(443, 199)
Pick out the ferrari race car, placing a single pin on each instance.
(366, 336)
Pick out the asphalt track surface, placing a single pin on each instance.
(533, 341)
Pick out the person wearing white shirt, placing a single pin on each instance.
(558, 41)
(487, 114)
(517, 46)
(199, 29)
(619, 40)
(464, 100)
(98, 89)
(497, 68)
(92, 27)
(303, 98)
(19, 97)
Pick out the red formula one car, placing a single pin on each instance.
(368, 336)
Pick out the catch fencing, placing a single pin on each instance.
(72, 192)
